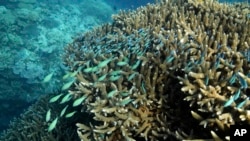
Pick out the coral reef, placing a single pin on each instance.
(170, 70)
(174, 70)
(31, 126)
(6, 115)
(33, 34)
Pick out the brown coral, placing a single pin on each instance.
(140, 73)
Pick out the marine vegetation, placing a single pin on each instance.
(174, 70)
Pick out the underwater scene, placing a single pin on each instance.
(123, 70)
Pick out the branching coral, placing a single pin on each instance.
(138, 75)
(31, 125)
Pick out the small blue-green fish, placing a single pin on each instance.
(232, 79)
(114, 77)
(63, 110)
(217, 63)
(70, 114)
(47, 78)
(143, 87)
(240, 105)
(169, 59)
(125, 101)
(122, 63)
(243, 82)
(102, 77)
(131, 76)
(65, 76)
(79, 101)
(124, 93)
(117, 72)
(126, 59)
(88, 70)
(73, 74)
(98, 71)
(48, 115)
(136, 64)
(55, 98)
(189, 66)
(104, 63)
(236, 95)
(140, 53)
(66, 98)
(67, 85)
(229, 102)
(206, 80)
(95, 69)
(111, 94)
(52, 125)
(201, 60)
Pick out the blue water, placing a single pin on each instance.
(32, 37)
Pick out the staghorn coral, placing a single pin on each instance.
(153, 74)
(170, 70)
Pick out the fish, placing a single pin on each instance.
(206, 80)
(67, 85)
(112, 93)
(48, 78)
(66, 98)
(143, 88)
(70, 75)
(79, 101)
(126, 59)
(116, 72)
(102, 78)
(52, 124)
(55, 98)
(232, 79)
(114, 77)
(67, 75)
(229, 102)
(237, 95)
(124, 93)
(48, 115)
(132, 76)
(95, 69)
(88, 70)
(136, 64)
(104, 63)
(217, 62)
(74, 73)
(122, 63)
(125, 101)
(240, 105)
(169, 59)
(70, 114)
(243, 82)
(64, 110)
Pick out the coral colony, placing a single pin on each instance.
(173, 70)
